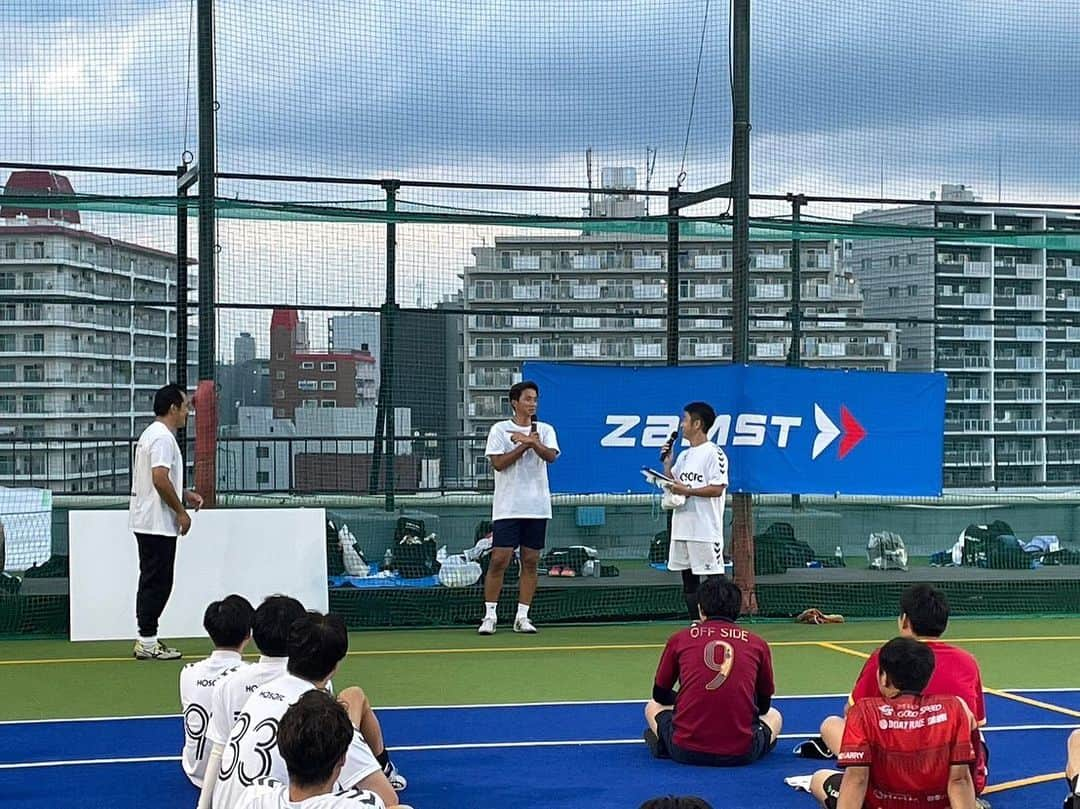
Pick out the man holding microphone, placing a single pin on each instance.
(520, 449)
(700, 475)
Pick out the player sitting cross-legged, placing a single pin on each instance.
(270, 631)
(317, 644)
(924, 615)
(314, 738)
(722, 713)
(228, 623)
(903, 748)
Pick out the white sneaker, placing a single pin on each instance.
(799, 782)
(159, 651)
(396, 779)
(487, 627)
(525, 626)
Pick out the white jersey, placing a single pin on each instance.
(267, 793)
(197, 681)
(521, 490)
(252, 752)
(234, 688)
(147, 512)
(701, 519)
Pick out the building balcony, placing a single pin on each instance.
(952, 363)
(1067, 394)
(967, 457)
(1018, 395)
(967, 395)
(967, 426)
(1018, 426)
(1058, 425)
(1018, 363)
(1021, 457)
(1063, 455)
(967, 332)
(1031, 334)
(1063, 363)
(1019, 270)
(1022, 302)
(1070, 334)
(1069, 272)
(969, 269)
(1069, 303)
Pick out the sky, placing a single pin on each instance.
(848, 97)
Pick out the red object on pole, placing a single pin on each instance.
(206, 427)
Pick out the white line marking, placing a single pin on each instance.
(418, 748)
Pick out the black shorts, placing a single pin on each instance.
(528, 533)
(832, 790)
(760, 744)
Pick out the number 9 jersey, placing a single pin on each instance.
(252, 752)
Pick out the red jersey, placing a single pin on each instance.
(724, 673)
(956, 673)
(909, 743)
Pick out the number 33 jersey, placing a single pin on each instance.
(266, 793)
(252, 752)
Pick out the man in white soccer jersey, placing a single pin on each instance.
(314, 738)
(270, 630)
(157, 516)
(317, 644)
(697, 527)
(520, 450)
(228, 623)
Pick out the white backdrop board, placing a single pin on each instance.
(253, 552)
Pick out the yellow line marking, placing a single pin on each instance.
(1035, 703)
(1023, 782)
(837, 648)
(576, 648)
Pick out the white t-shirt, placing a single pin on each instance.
(252, 751)
(267, 793)
(148, 513)
(197, 681)
(234, 688)
(521, 490)
(701, 519)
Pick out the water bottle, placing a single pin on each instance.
(839, 555)
(388, 559)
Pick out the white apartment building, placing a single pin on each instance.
(1007, 333)
(78, 371)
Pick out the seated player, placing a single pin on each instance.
(1072, 771)
(270, 631)
(317, 645)
(314, 738)
(228, 623)
(906, 750)
(722, 714)
(924, 615)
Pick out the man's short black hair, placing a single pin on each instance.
(273, 620)
(926, 608)
(228, 622)
(519, 388)
(703, 412)
(676, 802)
(317, 643)
(720, 597)
(907, 663)
(313, 736)
(168, 397)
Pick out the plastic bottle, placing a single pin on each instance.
(839, 555)
(388, 559)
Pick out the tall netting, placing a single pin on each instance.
(415, 198)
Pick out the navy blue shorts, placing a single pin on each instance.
(760, 744)
(528, 533)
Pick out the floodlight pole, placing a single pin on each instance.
(382, 453)
(207, 188)
(742, 528)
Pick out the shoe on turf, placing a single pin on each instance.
(982, 803)
(396, 779)
(652, 741)
(814, 748)
(524, 625)
(487, 627)
(1071, 802)
(159, 651)
(799, 782)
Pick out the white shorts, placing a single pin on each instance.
(703, 558)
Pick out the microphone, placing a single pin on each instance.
(666, 449)
(534, 428)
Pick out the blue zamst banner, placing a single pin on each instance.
(785, 430)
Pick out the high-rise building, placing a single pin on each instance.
(243, 348)
(560, 285)
(80, 363)
(1006, 329)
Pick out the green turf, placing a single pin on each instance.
(514, 668)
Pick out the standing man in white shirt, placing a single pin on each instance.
(697, 527)
(520, 450)
(157, 515)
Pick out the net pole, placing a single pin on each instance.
(795, 351)
(742, 504)
(181, 290)
(207, 188)
(389, 317)
(672, 325)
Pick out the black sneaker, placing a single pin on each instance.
(814, 748)
(1071, 802)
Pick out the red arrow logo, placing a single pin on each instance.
(853, 431)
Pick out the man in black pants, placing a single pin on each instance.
(157, 515)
